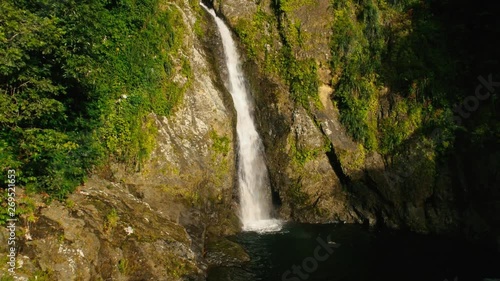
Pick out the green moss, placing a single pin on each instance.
(255, 35)
(359, 159)
(289, 6)
(227, 248)
(402, 122)
(112, 219)
(188, 194)
(302, 78)
(70, 204)
(259, 39)
(40, 275)
(123, 266)
(220, 144)
(301, 155)
(177, 267)
(198, 26)
(296, 197)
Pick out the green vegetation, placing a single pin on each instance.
(251, 35)
(398, 67)
(112, 219)
(70, 203)
(299, 74)
(40, 275)
(78, 81)
(177, 267)
(220, 144)
(123, 266)
(296, 195)
(394, 57)
(4, 212)
(301, 77)
(289, 6)
(25, 208)
(301, 155)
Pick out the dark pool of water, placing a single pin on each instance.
(302, 252)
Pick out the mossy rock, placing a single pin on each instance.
(221, 250)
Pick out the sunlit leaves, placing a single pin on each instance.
(77, 82)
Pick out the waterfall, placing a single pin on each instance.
(254, 188)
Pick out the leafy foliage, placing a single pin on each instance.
(301, 77)
(299, 74)
(77, 82)
(393, 51)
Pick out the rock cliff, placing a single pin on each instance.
(162, 221)
(318, 172)
(166, 220)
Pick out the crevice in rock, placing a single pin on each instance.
(275, 197)
(337, 166)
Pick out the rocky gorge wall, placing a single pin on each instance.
(167, 220)
(162, 221)
(318, 172)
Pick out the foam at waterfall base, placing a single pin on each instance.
(263, 226)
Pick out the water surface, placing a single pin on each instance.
(359, 254)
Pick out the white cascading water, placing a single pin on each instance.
(255, 199)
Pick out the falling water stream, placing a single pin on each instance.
(255, 199)
(291, 252)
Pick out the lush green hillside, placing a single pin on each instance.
(77, 82)
(410, 72)
(398, 68)
(415, 54)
